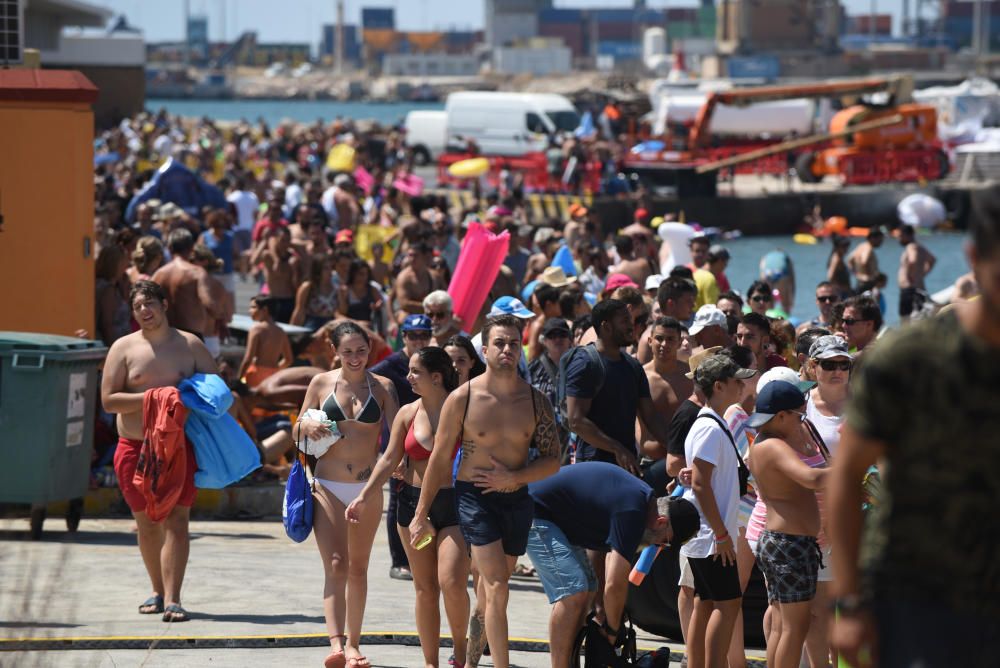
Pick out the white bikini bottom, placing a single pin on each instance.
(344, 491)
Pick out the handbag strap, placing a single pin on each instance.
(728, 435)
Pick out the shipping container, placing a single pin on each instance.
(682, 14)
(620, 50)
(618, 32)
(572, 35)
(967, 9)
(378, 18)
(862, 25)
(753, 67)
(556, 15)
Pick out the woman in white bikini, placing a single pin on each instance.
(358, 404)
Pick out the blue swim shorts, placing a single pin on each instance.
(563, 568)
(487, 518)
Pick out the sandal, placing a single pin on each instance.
(335, 660)
(175, 613)
(359, 662)
(152, 605)
(523, 571)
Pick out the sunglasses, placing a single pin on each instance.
(761, 299)
(833, 365)
(434, 315)
(827, 299)
(802, 416)
(854, 321)
(418, 336)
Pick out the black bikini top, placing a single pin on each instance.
(370, 413)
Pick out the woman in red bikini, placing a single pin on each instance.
(443, 565)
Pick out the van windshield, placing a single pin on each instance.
(564, 120)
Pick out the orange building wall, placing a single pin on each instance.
(47, 202)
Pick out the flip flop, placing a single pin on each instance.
(359, 662)
(335, 660)
(175, 613)
(155, 602)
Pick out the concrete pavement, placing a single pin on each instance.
(244, 579)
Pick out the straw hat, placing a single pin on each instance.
(556, 277)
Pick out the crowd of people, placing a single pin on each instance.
(585, 411)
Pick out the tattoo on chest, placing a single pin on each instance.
(364, 475)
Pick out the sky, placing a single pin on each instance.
(300, 20)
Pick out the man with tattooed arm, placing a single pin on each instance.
(497, 416)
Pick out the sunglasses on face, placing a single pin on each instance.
(834, 365)
(853, 321)
(827, 299)
(434, 315)
(802, 416)
(418, 336)
(761, 299)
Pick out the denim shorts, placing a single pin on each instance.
(563, 568)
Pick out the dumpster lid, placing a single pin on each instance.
(14, 342)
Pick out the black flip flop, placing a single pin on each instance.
(175, 613)
(156, 602)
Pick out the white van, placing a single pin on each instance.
(508, 123)
(425, 134)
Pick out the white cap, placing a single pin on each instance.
(653, 282)
(785, 374)
(708, 315)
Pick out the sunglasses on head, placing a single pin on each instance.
(827, 299)
(854, 321)
(834, 365)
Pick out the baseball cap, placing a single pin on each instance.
(684, 520)
(616, 281)
(777, 396)
(416, 322)
(827, 347)
(697, 357)
(708, 315)
(653, 282)
(507, 306)
(784, 374)
(716, 368)
(344, 237)
(555, 326)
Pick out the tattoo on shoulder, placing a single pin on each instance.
(364, 475)
(546, 435)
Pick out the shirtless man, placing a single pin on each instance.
(914, 265)
(668, 382)
(282, 271)
(414, 282)
(636, 268)
(268, 348)
(194, 299)
(787, 552)
(497, 416)
(862, 261)
(156, 356)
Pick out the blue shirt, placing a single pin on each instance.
(395, 367)
(221, 248)
(597, 505)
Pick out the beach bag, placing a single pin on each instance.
(297, 507)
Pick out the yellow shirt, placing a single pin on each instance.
(708, 288)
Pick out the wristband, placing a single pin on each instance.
(721, 537)
(849, 605)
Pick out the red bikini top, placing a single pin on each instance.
(415, 450)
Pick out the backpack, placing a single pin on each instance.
(297, 506)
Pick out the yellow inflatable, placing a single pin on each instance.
(806, 239)
(469, 169)
(341, 158)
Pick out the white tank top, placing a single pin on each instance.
(828, 426)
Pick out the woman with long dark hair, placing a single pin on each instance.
(442, 567)
(358, 404)
(359, 299)
(463, 355)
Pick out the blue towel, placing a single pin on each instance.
(224, 452)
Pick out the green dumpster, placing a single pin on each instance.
(48, 396)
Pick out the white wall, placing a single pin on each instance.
(118, 50)
(430, 64)
(539, 62)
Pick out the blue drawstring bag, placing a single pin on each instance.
(297, 508)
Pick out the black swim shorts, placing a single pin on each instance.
(790, 564)
(487, 518)
(908, 298)
(443, 511)
(713, 581)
